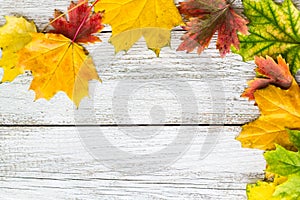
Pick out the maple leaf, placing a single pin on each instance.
(57, 64)
(14, 35)
(132, 19)
(80, 25)
(269, 72)
(207, 17)
(274, 29)
(289, 189)
(280, 109)
(284, 165)
(264, 189)
(282, 161)
(295, 138)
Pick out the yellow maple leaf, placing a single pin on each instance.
(132, 19)
(57, 64)
(14, 35)
(280, 109)
(264, 190)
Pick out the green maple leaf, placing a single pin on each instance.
(282, 161)
(274, 29)
(289, 189)
(295, 138)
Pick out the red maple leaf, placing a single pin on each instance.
(80, 24)
(207, 17)
(269, 72)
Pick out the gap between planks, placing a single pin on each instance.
(117, 125)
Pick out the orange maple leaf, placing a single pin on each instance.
(57, 64)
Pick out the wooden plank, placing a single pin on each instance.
(41, 11)
(55, 163)
(140, 77)
(187, 88)
(146, 78)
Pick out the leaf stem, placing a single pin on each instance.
(84, 20)
(56, 18)
(231, 2)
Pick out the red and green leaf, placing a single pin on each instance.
(207, 17)
(269, 72)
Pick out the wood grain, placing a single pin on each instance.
(216, 84)
(53, 163)
(46, 146)
(170, 81)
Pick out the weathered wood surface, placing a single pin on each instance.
(215, 83)
(52, 163)
(172, 81)
(44, 155)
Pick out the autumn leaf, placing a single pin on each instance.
(81, 23)
(200, 8)
(14, 35)
(280, 109)
(286, 163)
(264, 189)
(295, 138)
(206, 17)
(290, 189)
(282, 161)
(274, 29)
(56, 60)
(263, 133)
(57, 64)
(132, 19)
(269, 72)
(285, 167)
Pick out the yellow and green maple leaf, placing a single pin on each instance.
(274, 29)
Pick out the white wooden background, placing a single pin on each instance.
(44, 154)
